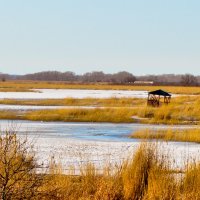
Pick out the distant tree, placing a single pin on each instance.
(69, 76)
(198, 79)
(123, 77)
(3, 77)
(189, 80)
(51, 76)
(95, 76)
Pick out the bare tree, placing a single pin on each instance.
(3, 77)
(189, 80)
(18, 177)
(69, 76)
(95, 76)
(123, 77)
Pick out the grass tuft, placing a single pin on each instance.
(186, 135)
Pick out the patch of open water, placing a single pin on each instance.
(72, 93)
(99, 143)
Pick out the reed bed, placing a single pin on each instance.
(28, 85)
(146, 175)
(107, 102)
(72, 115)
(185, 135)
(182, 110)
(82, 115)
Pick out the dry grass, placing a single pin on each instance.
(182, 110)
(186, 135)
(108, 102)
(145, 176)
(72, 115)
(15, 90)
(82, 115)
(191, 182)
(10, 115)
(27, 85)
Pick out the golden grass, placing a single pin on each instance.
(191, 182)
(72, 115)
(15, 90)
(10, 115)
(82, 115)
(146, 176)
(182, 110)
(27, 85)
(136, 174)
(185, 135)
(107, 102)
(134, 179)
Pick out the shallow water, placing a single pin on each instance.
(81, 131)
(99, 143)
(66, 93)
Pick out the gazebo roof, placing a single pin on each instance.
(160, 93)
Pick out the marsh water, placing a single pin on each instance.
(73, 144)
(72, 93)
(81, 131)
(99, 143)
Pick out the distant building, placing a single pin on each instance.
(143, 83)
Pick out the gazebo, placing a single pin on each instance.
(154, 98)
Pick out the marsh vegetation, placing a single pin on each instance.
(104, 102)
(182, 110)
(184, 135)
(146, 175)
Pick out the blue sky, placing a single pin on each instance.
(139, 36)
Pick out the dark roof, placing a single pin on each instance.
(161, 93)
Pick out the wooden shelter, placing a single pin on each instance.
(154, 98)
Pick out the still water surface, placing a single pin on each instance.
(99, 143)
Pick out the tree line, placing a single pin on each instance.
(122, 77)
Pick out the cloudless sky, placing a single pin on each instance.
(139, 36)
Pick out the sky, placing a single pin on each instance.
(139, 36)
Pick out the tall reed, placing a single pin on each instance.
(180, 135)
